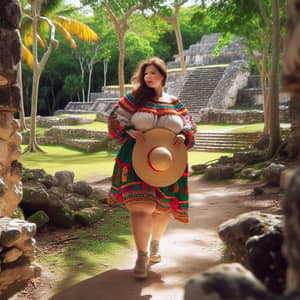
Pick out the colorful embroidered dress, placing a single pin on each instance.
(166, 112)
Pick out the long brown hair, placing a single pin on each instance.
(142, 93)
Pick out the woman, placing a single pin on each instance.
(147, 107)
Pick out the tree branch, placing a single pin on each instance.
(53, 42)
(111, 15)
(131, 10)
(263, 13)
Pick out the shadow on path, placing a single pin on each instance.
(111, 285)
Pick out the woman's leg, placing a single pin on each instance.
(141, 222)
(141, 225)
(160, 223)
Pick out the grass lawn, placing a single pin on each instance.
(88, 166)
(96, 125)
(98, 249)
(85, 116)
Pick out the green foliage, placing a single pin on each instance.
(224, 40)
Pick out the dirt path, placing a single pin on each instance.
(186, 249)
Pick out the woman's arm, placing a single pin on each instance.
(120, 117)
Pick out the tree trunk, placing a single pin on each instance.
(179, 45)
(22, 111)
(82, 78)
(121, 40)
(33, 145)
(105, 65)
(91, 67)
(275, 138)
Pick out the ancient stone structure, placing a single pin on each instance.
(236, 116)
(16, 236)
(234, 78)
(201, 53)
(17, 247)
(10, 140)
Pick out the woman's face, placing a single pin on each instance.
(152, 77)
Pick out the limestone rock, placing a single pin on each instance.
(82, 188)
(272, 173)
(11, 255)
(40, 218)
(200, 168)
(250, 173)
(49, 181)
(77, 203)
(99, 194)
(63, 217)
(34, 199)
(89, 216)
(219, 172)
(64, 177)
(226, 282)
(32, 174)
(255, 240)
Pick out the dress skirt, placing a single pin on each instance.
(128, 187)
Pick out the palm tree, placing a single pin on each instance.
(45, 17)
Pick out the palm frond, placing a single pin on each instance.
(27, 56)
(66, 34)
(82, 31)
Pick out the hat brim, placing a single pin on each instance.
(155, 138)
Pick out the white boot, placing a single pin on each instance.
(155, 257)
(141, 265)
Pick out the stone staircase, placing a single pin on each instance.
(217, 141)
(199, 86)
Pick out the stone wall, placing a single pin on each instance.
(228, 116)
(10, 140)
(17, 247)
(234, 78)
(16, 236)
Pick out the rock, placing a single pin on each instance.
(11, 255)
(32, 174)
(199, 168)
(76, 203)
(64, 177)
(265, 259)
(34, 199)
(3, 187)
(9, 236)
(226, 282)
(40, 218)
(89, 216)
(249, 157)
(99, 194)
(49, 181)
(250, 173)
(255, 240)
(291, 209)
(18, 214)
(272, 173)
(291, 295)
(219, 172)
(82, 188)
(258, 191)
(62, 217)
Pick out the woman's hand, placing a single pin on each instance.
(178, 140)
(136, 134)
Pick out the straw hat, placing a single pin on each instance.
(157, 161)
